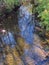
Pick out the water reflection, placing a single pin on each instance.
(8, 38)
(26, 24)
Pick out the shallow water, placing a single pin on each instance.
(26, 26)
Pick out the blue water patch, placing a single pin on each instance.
(26, 25)
(8, 39)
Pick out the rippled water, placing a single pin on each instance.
(8, 39)
(26, 25)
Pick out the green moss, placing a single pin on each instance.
(43, 10)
